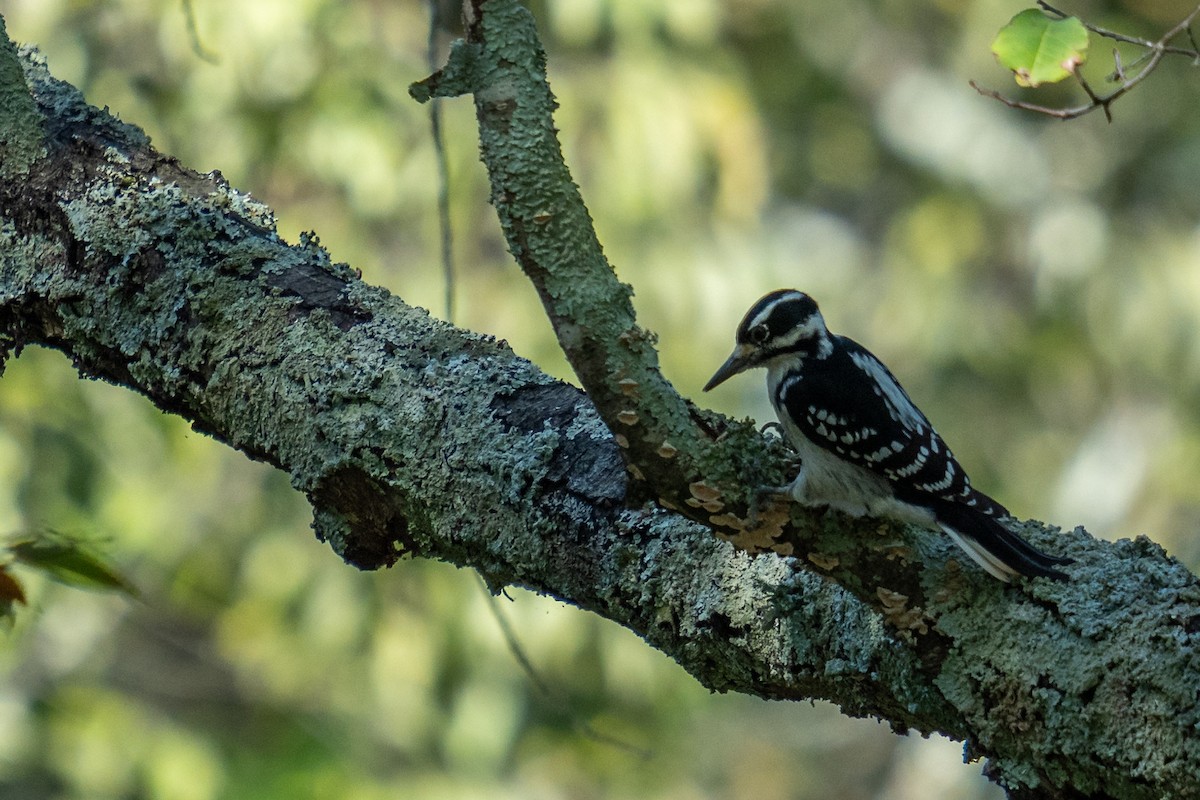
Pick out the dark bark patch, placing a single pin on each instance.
(587, 467)
(370, 531)
(317, 288)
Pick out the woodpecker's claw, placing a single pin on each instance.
(773, 426)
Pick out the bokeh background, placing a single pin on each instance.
(1035, 284)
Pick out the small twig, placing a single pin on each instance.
(1096, 100)
(1135, 65)
(1126, 38)
(1049, 9)
(1152, 58)
(189, 14)
(1058, 113)
(439, 149)
(1184, 25)
(1118, 72)
(518, 652)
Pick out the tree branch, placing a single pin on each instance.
(410, 436)
(668, 444)
(406, 434)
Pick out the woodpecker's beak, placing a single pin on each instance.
(739, 361)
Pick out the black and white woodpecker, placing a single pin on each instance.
(865, 448)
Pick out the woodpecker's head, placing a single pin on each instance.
(784, 323)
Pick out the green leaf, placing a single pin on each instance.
(69, 560)
(1039, 49)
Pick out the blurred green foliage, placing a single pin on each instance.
(1035, 285)
(70, 560)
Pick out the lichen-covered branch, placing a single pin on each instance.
(684, 458)
(410, 436)
(668, 443)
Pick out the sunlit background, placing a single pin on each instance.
(1035, 284)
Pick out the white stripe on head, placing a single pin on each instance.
(813, 329)
(789, 296)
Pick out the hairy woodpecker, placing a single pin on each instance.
(865, 448)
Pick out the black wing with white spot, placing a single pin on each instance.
(852, 405)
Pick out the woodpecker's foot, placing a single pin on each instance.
(773, 426)
(793, 458)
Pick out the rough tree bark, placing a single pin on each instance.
(409, 436)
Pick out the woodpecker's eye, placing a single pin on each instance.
(759, 334)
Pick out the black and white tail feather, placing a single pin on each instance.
(866, 448)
